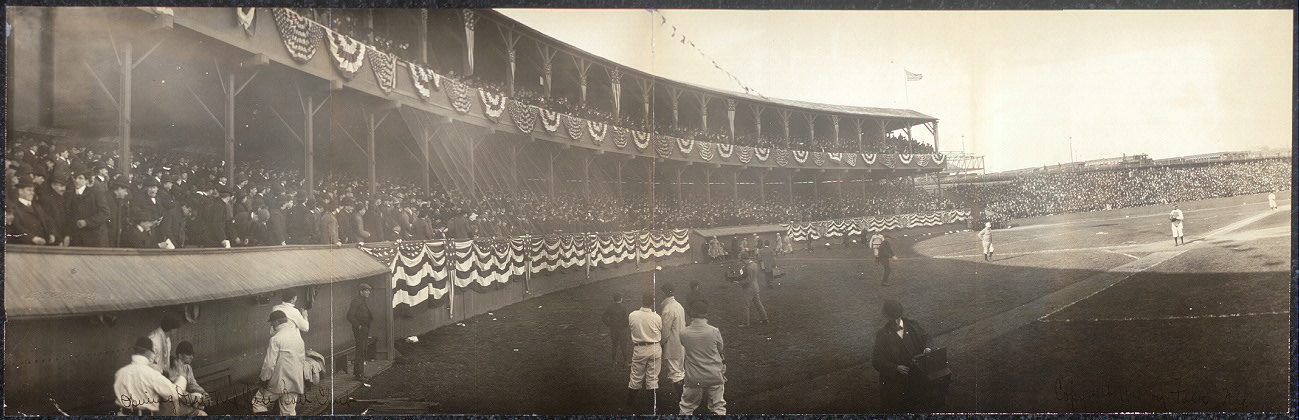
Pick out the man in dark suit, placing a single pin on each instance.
(884, 258)
(88, 213)
(615, 318)
(296, 215)
(174, 222)
(897, 343)
(30, 220)
(120, 203)
(358, 314)
(768, 260)
(140, 235)
(458, 227)
(54, 200)
(148, 200)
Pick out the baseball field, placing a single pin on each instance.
(1089, 312)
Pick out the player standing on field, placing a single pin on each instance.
(985, 236)
(1176, 218)
(1271, 200)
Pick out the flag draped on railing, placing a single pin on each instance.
(426, 270)
(805, 231)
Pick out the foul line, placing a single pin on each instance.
(1166, 318)
(1123, 253)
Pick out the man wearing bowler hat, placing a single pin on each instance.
(35, 226)
(88, 212)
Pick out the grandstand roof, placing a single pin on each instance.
(889, 113)
(66, 281)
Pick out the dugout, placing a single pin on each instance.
(74, 314)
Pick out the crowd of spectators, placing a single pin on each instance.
(73, 195)
(1068, 192)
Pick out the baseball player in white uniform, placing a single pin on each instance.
(1271, 200)
(1175, 217)
(985, 236)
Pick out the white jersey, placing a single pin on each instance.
(1175, 216)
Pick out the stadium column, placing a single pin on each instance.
(784, 120)
(127, 63)
(470, 20)
(838, 185)
(675, 95)
(735, 189)
(617, 164)
(816, 186)
(615, 86)
(511, 41)
(708, 184)
(679, 170)
(762, 185)
(371, 126)
(586, 176)
(547, 65)
(422, 34)
(703, 110)
(124, 114)
(551, 155)
(789, 184)
(757, 118)
(583, 66)
(856, 124)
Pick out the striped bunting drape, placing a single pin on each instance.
(805, 231)
(426, 270)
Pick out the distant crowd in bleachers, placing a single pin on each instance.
(1068, 192)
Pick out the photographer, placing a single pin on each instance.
(897, 343)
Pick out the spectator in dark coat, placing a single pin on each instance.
(140, 234)
(121, 211)
(358, 314)
(328, 227)
(54, 200)
(277, 223)
(88, 213)
(615, 318)
(897, 343)
(301, 228)
(174, 222)
(30, 220)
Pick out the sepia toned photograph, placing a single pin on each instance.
(349, 211)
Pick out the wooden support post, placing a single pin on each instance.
(586, 176)
(618, 166)
(679, 170)
(735, 185)
(124, 115)
(790, 185)
(422, 34)
(230, 128)
(708, 184)
(762, 186)
(816, 186)
(309, 152)
(551, 155)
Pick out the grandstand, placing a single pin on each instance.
(398, 122)
(470, 164)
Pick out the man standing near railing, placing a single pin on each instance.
(358, 314)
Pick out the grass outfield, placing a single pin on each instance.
(550, 355)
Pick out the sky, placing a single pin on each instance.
(1022, 88)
